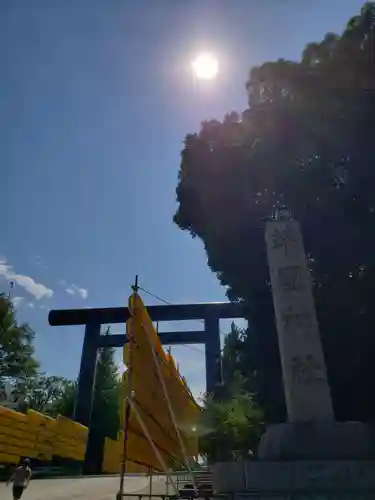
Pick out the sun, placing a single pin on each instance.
(205, 66)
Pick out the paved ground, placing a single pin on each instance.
(95, 488)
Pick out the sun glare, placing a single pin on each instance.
(205, 66)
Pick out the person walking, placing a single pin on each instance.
(20, 479)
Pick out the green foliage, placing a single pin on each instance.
(19, 366)
(16, 345)
(232, 360)
(64, 405)
(230, 427)
(54, 395)
(43, 393)
(304, 144)
(232, 422)
(107, 394)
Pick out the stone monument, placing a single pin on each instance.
(311, 432)
(306, 386)
(311, 449)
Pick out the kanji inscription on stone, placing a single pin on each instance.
(290, 278)
(297, 320)
(307, 392)
(306, 370)
(283, 238)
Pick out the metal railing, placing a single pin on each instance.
(316, 494)
(182, 478)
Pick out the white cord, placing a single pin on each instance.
(171, 412)
(149, 438)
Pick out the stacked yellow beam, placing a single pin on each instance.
(133, 468)
(70, 439)
(44, 429)
(149, 397)
(112, 458)
(166, 441)
(38, 436)
(16, 439)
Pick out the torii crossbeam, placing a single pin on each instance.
(93, 319)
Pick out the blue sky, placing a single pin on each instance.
(96, 97)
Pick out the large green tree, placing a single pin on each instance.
(305, 144)
(17, 361)
(64, 405)
(44, 393)
(107, 394)
(232, 420)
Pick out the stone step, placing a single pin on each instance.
(204, 477)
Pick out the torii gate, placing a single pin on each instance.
(210, 313)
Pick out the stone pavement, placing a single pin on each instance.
(93, 488)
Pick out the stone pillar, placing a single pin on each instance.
(307, 392)
(86, 378)
(213, 358)
(84, 398)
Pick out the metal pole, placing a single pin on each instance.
(150, 472)
(170, 409)
(11, 285)
(167, 486)
(246, 477)
(127, 405)
(149, 438)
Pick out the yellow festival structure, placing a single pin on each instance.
(161, 428)
(40, 437)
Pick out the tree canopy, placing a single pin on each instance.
(231, 421)
(51, 394)
(231, 426)
(107, 393)
(43, 392)
(54, 395)
(17, 359)
(304, 144)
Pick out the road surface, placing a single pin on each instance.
(93, 488)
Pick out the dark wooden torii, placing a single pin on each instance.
(93, 319)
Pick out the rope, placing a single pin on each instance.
(171, 412)
(157, 297)
(127, 405)
(149, 438)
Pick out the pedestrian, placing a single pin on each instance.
(20, 479)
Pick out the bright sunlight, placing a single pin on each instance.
(205, 66)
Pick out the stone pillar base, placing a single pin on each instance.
(306, 479)
(318, 441)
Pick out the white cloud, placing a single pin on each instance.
(38, 260)
(31, 305)
(76, 290)
(17, 301)
(38, 290)
(83, 293)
